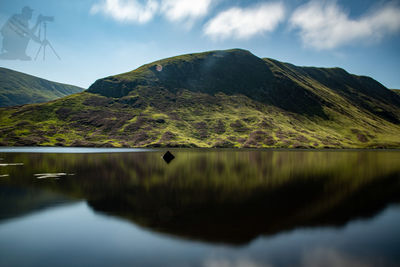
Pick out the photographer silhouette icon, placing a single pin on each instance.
(17, 34)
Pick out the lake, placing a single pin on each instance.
(128, 207)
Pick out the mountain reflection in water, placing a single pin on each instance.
(217, 196)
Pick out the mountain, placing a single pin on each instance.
(225, 98)
(397, 91)
(18, 88)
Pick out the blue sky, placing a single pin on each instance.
(98, 38)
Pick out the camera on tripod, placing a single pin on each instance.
(46, 18)
(42, 20)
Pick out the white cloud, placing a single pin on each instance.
(143, 11)
(178, 10)
(127, 10)
(324, 25)
(243, 23)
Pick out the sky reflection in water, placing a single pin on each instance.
(205, 208)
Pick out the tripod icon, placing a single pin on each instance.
(45, 43)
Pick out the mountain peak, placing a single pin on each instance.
(238, 71)
(228, 71)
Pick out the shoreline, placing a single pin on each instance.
(88, 150)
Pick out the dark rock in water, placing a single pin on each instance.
(168, 157)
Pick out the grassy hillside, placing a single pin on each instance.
(17, 88)
(215, 99)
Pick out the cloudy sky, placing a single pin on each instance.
(98, 38)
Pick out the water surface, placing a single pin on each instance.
(205, 208)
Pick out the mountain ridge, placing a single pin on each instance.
(228, 98)
(18, 88)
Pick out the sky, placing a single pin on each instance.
(99, 38)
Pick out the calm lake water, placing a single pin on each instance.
(105, 207)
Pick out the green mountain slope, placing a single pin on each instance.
(215, 99)
(18, 88)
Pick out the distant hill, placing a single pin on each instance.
(225, 98)
(397, 91)
(18, 88)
